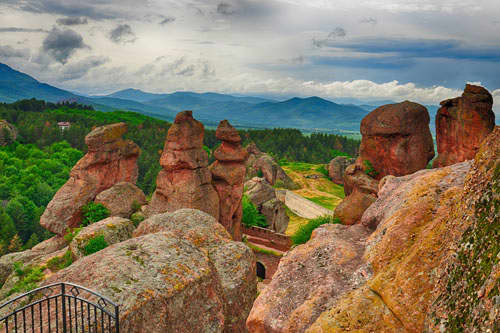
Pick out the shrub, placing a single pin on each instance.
(137, 218)
(93, 212)
(71, 233)
(28, 278)
(303, 234)
(322, 169)
(369, 169)
(251, 216)
(260, 174)
(57, 263)
(95, 244)
(279, 184)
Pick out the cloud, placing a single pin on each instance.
(10, 52)
(122, 34)
(17, 29)
(72, 20)
(62, 44)
(416, 48)
(225, 8)
(96, 9)
(338, 32)
(368, 20)
(166, 20)
(364, 62)
(81, 68)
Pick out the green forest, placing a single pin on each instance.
(34, 167)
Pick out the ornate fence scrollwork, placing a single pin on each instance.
(60, 307)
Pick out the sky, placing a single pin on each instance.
(420, 50)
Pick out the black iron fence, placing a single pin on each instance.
(60, 307)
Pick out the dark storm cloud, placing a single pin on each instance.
(167, 20)
(16, 29)
(96, 9)
(225, 8)
(72, 20)
(62, 44)
(419, 48)
(122, 34)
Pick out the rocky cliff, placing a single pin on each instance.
(110, 159)
(424, 258)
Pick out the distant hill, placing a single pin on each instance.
(309, 114)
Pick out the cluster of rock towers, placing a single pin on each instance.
(397, 141)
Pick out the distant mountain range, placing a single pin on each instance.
(309, 114)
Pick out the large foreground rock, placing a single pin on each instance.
(228, 173)
(181, 273)
(432, 259)
(110, 159)
(185, 180)
(396, 139)
(309, 279)
(462, 123)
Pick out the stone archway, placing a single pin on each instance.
(261, 270)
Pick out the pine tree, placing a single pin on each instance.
(31, 242)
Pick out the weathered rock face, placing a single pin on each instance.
(110, 159)
(228, 173)
(185, 181)
(462, 123)
(8, 133)
(396, 139)
(181, 273)
(432, 258)
(113, 229)
(309, 279)
(361, 191)
(467, 292)
(121, 198)
(263, 196)
(259, 162)
(337, 167)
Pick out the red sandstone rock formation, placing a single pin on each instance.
(462, 123)
(110, 159)
(185, 181)
(396, 139)
(228, 172)
(121, 198)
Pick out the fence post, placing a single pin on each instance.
(63, 303)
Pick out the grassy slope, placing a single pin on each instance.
(321, 191)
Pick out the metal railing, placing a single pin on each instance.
(60, 307)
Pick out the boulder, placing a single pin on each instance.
(228, 175)
(121, 199)
(113, 229)
(110, 160)
(310, 278)
(265, 199)
(259, 162)
(396, 139)
(185, 180)
(337, 167)
(361, 191)
(8, 133)
(462, 123)
(181, 273)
